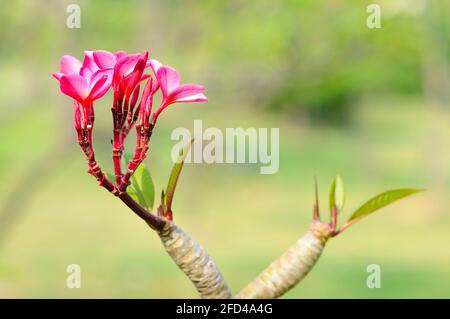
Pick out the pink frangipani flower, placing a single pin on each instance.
(86, 90)
(173, 92)
(84, 82)
(130, 69)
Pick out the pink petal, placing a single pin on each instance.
(104, 59)
(99, 89)
(144, 56)
(86, 72)
(187, 93)
(75, 86)
(168, 79)
(89, 66)
(69, 65)
(144, 77)
(146, 95)
(135, 96)
(57, 75)
(130, 66)
(199, 97)
(147, 90)
(135, 76)
(119, 54)
(155, 86)
(99, 74)
(124, 66)
(154, 64)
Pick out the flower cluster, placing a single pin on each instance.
(89, 80)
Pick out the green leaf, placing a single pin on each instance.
(143, 185)
(147, 186)
(141, 182)
(382, 200)
(337, 194)
(175, 174)
(163, 198)
(132, 192)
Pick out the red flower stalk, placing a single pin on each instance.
(87, 81)
(128, 72)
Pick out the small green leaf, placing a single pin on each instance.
(142, 183)
(316, 193)
(382, 200)
(163, 198)
(132, 192)
(175, 174)
(337, 193)
(147, 186)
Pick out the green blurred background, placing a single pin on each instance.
(369, 104)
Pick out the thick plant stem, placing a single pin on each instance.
(155, 222)
(291, 267)
(195, 262)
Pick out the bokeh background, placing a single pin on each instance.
(369, 104)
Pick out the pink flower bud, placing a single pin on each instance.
(135, 96)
